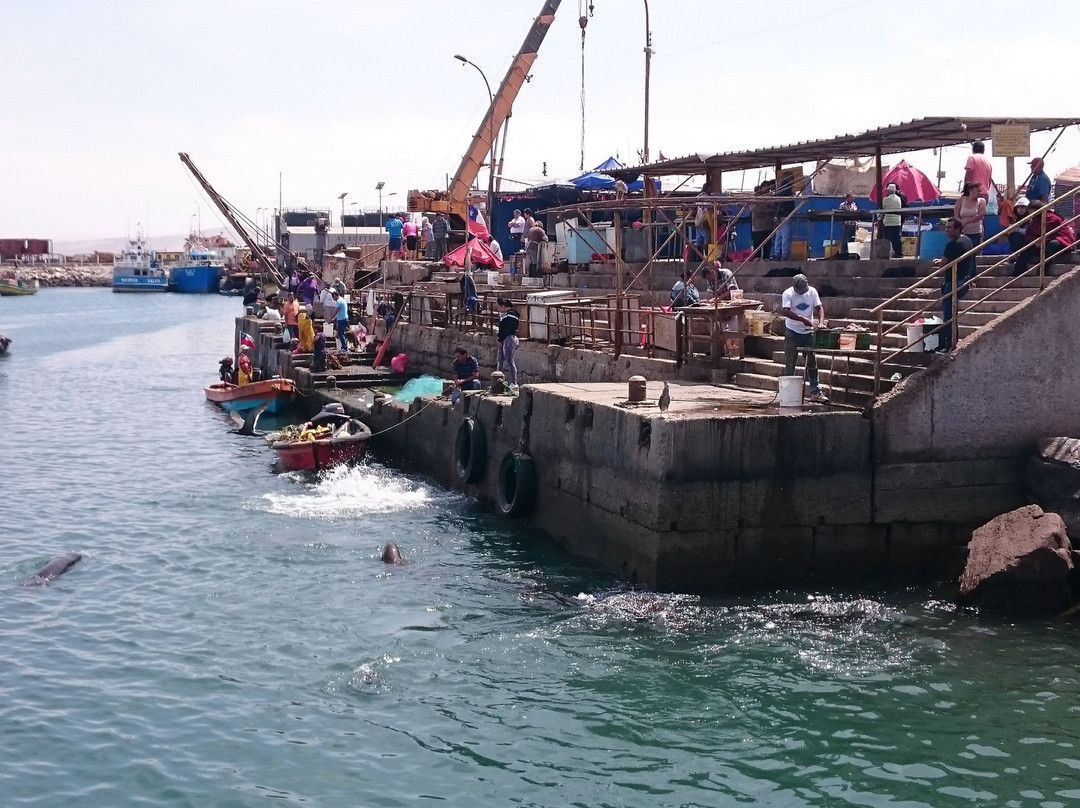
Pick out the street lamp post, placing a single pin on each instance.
(378, 187)
(341, 199)
(491, 139)
(648, 61)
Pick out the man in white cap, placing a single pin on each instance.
(802, 309)
(891, 222)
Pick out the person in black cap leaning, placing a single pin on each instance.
(802, 308)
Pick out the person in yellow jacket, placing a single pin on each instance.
(307, 330)
(244, 372)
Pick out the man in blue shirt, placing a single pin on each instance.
(341, 320)
(684, 293)
(1038, 190)
(466, 371)
(393, 227)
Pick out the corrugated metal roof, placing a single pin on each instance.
(917, 135)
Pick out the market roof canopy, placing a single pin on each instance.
(917, 135)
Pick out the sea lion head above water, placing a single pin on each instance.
(391, 554)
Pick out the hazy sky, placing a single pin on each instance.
(100, 95)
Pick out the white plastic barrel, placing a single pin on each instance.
(915, 338)
(791, 389)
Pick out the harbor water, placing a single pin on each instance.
(231, 637)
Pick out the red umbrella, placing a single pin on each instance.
(481, 255)
(912, 183)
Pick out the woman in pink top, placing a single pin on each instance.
(409, 229)
(970, 209)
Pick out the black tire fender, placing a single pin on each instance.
(470, 452)
(516, 488)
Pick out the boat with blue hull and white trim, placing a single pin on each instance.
(200, 273)
(137, 270)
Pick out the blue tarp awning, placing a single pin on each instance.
(597, 180)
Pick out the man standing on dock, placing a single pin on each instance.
(508, 340)
(341, 319)
(439, 231)
(802, 309)
(394, 228)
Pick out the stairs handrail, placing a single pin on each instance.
(975, 249)
(951, 266)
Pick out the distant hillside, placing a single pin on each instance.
(87, 246)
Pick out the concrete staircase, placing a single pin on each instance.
(847, 377)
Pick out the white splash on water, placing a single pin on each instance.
(346, 491)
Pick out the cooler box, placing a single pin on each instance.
(539, 303)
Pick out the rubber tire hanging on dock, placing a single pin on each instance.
(516, 488)
(470, 452)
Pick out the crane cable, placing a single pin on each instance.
(583, 21)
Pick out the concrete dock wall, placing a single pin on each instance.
(697, 505)
(950, 442)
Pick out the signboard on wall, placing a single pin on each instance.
(1011, 139)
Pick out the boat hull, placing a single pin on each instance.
(140, 283)
(315, 455)
(16, 290)
(195, 280)
(274, 393)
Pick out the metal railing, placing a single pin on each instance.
(955, 293)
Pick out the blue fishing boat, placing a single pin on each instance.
(200, 273)
(137, 270)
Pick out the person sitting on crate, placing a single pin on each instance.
(801, 307)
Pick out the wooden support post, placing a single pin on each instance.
(880, 186)
(1010, 177)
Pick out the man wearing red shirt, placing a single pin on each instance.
(978, 169)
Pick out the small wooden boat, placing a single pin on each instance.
(274, 393)
(12, 287)
(5, 343)
(331, 438)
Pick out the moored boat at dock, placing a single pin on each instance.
(200, 273)
(273, 393)
(137, 270)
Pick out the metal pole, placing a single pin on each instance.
(648, 65)
(491, 137)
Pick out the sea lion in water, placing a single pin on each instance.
(391, 554)
(58, 566)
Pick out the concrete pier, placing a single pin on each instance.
(724, 490)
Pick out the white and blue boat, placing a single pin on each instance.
(137, 270)
(200, 273)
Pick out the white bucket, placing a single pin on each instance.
(791, 390)
(492, 278)
(915, 339)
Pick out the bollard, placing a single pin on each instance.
(636, 392)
